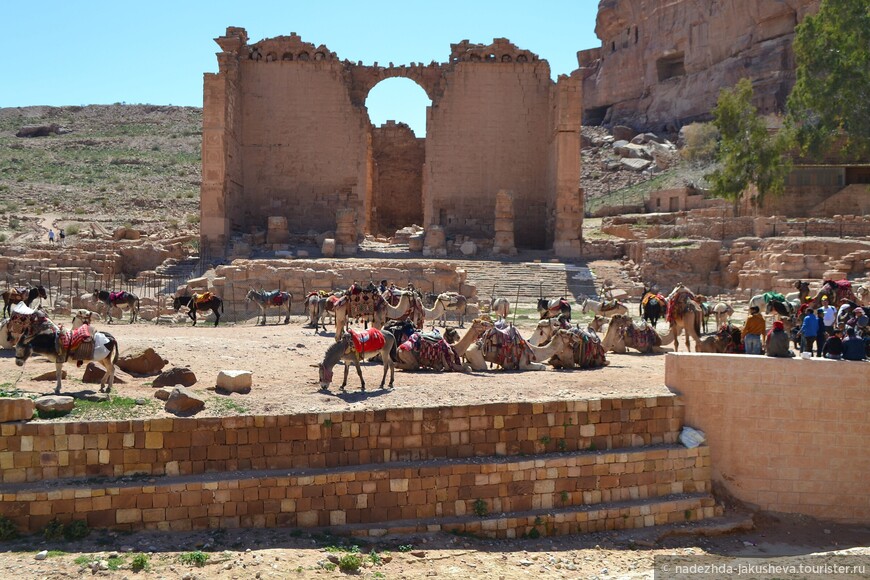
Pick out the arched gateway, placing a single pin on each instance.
(286, 134)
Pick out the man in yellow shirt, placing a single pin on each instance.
(753, 331)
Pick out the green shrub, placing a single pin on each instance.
(194, 558)
(701, 140)
(480, 508)
(350, 562)
(140, 562)
(73, 229)
(8, 530)
(53, 530)
(76, 530)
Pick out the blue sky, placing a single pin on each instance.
(80, 52)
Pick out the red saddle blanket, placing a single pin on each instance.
(368, 341)
(117, 296)
(72, 339)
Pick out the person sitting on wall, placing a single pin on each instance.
(777, 341)
(752, 331)
(853, 346)
(833, 348)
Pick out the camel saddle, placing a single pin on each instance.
(364, 303)
(431, 350)
(505, 347)
(451, 298)
(115, 297)
(370, 340)
(557, 304)
(609, 305)
(588, 350)
(644, 338)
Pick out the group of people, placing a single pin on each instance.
(61, 234)
(819, 330)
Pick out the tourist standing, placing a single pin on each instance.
(809, 332)
(51, 236)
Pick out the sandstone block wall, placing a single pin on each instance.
(397, 196)
(31, 452)
(786, 435)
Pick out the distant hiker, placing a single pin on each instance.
(62, 235)
(51, 236)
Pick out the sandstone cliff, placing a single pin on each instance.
(663, 62)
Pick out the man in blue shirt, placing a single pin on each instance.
(809, 331)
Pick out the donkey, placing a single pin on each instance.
(266, 300)
(315, 306)
(83, 344)
(212, 303)
(354, 346)
(26, 295)
(120, 299)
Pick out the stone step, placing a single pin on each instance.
(558, 521)
(439, 494)
(529, 281)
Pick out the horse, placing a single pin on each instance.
(652, 306)
(266, 300)
(82, 344)
(353, 346)
(120, 299)
(195, 303)
(553, 308)
(26, 295)
(315, 306)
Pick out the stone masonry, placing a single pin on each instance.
(286, 133)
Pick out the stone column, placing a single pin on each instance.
(220, 166)
(345, 232)
(568, 226)
(504, 223)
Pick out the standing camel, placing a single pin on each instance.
(604, 308)
(684, 315)
(447, 301)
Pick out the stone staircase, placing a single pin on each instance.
(529, 280)
(497, 470)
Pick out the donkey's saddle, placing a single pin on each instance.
(367, 341)
(204, 297)
(78, 343)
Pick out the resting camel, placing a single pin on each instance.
(624, 333)
(722, 342)
(684, 315)
(547, 327)
(525, 354)
(586, 350)
(596, 307)
(409, 358)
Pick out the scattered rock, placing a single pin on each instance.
(468, 248)
(95, 397)
(163, 393)
(15, 409)
(41, 130)
(184, 402)
(50, 376)
(235, 381)
(142, 362)
(175, 376)
(94, 375)
(41, 555)
(55, 404)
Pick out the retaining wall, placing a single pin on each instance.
(787, 435)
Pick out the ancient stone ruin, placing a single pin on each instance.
(286, 134)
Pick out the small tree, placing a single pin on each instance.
(748, 155)
(831, 96)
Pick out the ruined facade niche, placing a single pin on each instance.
(397, 186)
(670, 66)
(292, 138)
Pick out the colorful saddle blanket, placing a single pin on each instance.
(370, 340)
(588, 350)
(363, 303)
(643, 338)
(432, 354)
(505, 348)
(201, 298)
(115, 297)
(78, 343)
(678, 305)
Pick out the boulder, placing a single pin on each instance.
(635, 164)
(235, 381)
(623, 133)
(163, 393)
(142, 362)
(55, 404)
(328, 248)
(182, 401)
(175, 376)
(41, 130)
(15, 409)
(415, 242)
(50, 376)
(468, 248)
(94, 375)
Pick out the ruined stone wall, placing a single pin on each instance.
(397, 196)
(780, 438)
(303, 145)
(664, 61)
(490, 131)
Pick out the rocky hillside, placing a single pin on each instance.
(113, 165)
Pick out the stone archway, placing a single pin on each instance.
(398, 157)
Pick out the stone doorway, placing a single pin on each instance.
(398, 156)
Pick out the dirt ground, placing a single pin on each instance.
(284, 382)
(281, 356)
